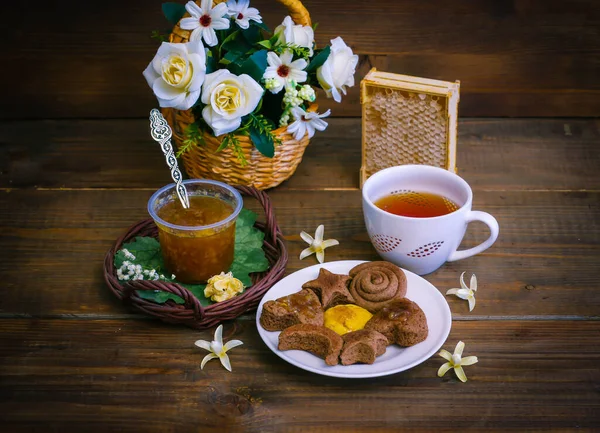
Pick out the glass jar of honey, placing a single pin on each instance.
(197, 242)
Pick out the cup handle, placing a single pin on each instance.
(488, 220)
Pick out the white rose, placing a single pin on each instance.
(290, 33)
(176, 74)
(228, 98)
(338, 70)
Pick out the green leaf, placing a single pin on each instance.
(263, 142)
(262, 26)
(236, 42)
(249, 257)
(252, 35)
(230, 57)
(211, 64)
(255, 65)
(173, 12)
(318, 60)
(265, 43)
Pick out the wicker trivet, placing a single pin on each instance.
(192, 313)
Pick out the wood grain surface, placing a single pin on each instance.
(527, 58)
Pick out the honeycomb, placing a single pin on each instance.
(403, 127)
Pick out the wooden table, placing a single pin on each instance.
(74, 358)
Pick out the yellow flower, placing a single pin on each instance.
(217, 349)
(465, 292)
(222, 287)
(317, 245)
(456, 361)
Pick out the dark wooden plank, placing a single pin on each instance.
(538, 376)
(509, 154)
(544, 263)
(89, 61)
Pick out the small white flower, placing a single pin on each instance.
(283, 70)
(242, 14)
(295, 34)
(291, 97)
(456, 361)
(172, 276)
(338, 70)
(465, 292)
(307, 93)
(204, 20)
(307, 122)
(217, 349)
(317, 245)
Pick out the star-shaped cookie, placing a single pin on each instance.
(332, 289)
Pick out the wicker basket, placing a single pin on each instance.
(203, 162)
(192, 313)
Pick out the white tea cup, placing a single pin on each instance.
(422, 245)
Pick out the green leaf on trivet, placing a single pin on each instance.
(173, 12)
(249, 257)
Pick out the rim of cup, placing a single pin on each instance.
(423, 167)
(237, 196)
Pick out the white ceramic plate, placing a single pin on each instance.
(396, 358)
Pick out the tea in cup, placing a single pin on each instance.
(417, 216)
(197, 243)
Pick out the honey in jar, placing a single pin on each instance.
(198, 242)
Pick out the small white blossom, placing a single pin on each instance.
(317, 245)
(307, 93)
(127, 254)
(204, 20)
(172, 276)
(217, 349)
(307, 122)
(467, 293)
(456, 361)
(283, 70)
(242, 14)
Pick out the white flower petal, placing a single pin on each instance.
(244, 23)
(310, 129)
(243, 4)
(206, 6)
(329, 243)
(297, 75)
(206, 359)
(306, 237)
(218, 11)
(219, 335)
(220, 23)
(460, 373)
(231, 344)
(444, 369)
(462, 281)
(319, 233)
(306, 252)
(193, 9)
(298, 129)
(203, 344)
(445, 354)
(321, 256)
(150, 75)
(463, 293)
(197, 34)
(319, 124)
(286, 57)
(299, 64)
(189, 23)
(225, 361)
(468, 360)
(273, 59)
(471, 303)
(460, 346)
(452, 292)
(210, 37)
(473, 283)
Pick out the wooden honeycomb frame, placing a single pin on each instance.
(431, 105)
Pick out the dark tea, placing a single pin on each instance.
(197, 255)
(416, 204)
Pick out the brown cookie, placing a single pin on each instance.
(362, 346)
(318, 340)
(375, 284)
(331, 288)
(402, 322)
(300, 307)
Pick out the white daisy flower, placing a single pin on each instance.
(307, 122)
(204, 20)
(283, 70)
(242, 14)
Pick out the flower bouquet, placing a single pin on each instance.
(241, 100)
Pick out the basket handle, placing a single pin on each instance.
(296, 9)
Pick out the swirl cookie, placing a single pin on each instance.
(376, 284)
